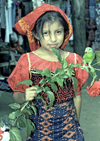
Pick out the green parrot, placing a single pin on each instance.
(89, 56)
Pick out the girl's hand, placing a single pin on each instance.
(30, 93)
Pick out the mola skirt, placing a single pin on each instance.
(56, 124)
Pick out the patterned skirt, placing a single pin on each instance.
(56, 124)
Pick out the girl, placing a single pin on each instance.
(48, 27)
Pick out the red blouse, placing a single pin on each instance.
(30, 61)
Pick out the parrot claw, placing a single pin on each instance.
(89, 66)
(84, 66)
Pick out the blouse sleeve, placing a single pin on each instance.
(20, 73)
(80, 74)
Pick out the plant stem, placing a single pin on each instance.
(95, 64)
(24, 106)
(55, 74)
(14, 122)
(97, 69)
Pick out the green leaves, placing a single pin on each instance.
(57, 52)
(21, 122)
(46, 72)
(34, 109)
(43, 81)
(93, 74)
(26, 82)
(28, 111)
(15, 134)
(30, 127)
(51, 97)
(15, 114)
(59, 81)
(19, 119)
(39, 89)
(40, 97)
(64, 63)
(74, 81)
(14, 106)
(54, 86)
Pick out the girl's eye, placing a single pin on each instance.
(45, 33)
(59, 32)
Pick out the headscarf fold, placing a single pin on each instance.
(26, 24)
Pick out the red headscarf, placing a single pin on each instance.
(26, 24)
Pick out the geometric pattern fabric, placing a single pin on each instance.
(56, 124)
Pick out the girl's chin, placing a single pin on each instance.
(49, 48)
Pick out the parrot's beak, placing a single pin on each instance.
(85, 50)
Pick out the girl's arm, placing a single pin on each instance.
(19, 97)
(77, 103)
(28, 95)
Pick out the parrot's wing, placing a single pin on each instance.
(91, 57)
(84, 58)
(88, 58)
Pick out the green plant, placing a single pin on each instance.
(19, 119)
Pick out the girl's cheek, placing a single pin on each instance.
(46, 38)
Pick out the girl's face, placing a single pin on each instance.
(53, 36)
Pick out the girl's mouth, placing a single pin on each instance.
(52, 45)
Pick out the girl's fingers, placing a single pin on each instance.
(31, 89)
(30, 93)
(29, 98)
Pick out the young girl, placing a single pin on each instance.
(48, 27)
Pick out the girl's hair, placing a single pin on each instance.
(49, 16)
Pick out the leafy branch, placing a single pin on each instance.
(18, 119)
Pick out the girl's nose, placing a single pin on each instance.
(53, 37)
